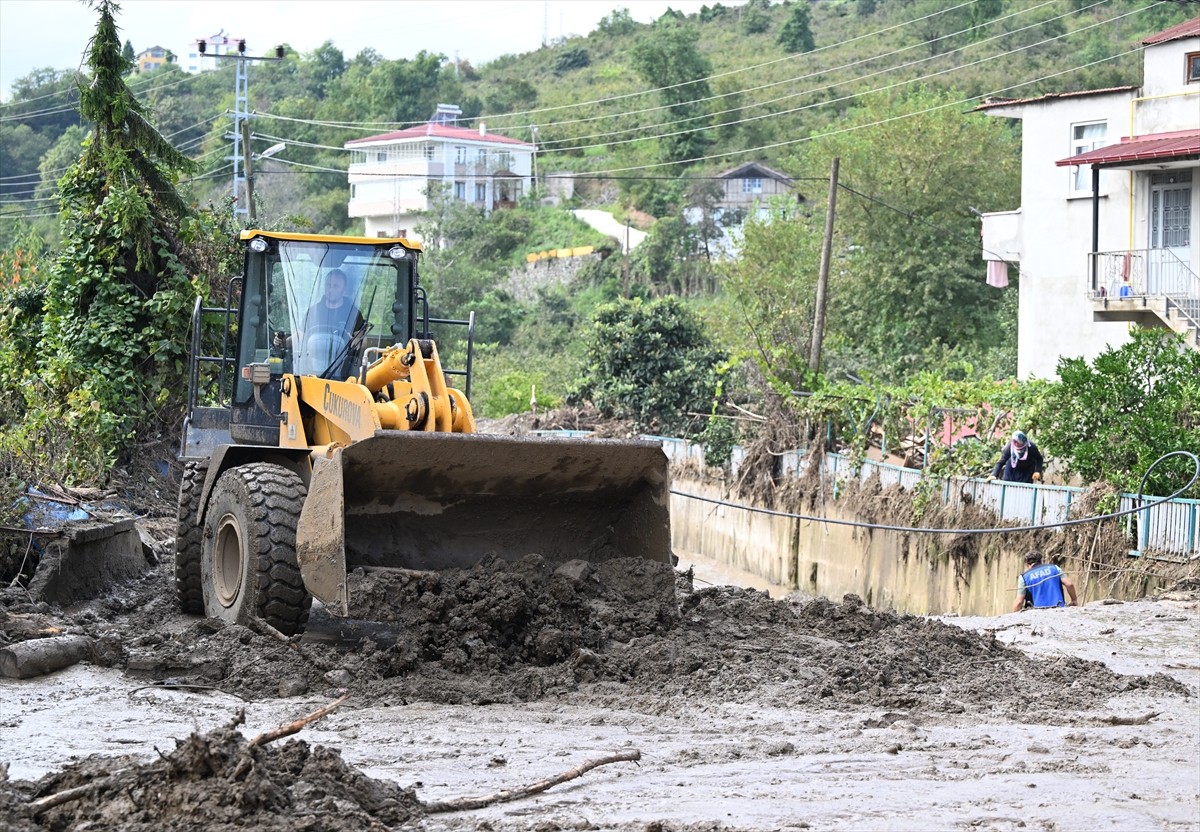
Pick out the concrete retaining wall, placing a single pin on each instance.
(885, 568)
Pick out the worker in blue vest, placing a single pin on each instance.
(1042, 585)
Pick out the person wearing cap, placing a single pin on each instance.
(1042, 585)
(1020, 461)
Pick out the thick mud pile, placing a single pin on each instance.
(600, 634)
(214, 781)
(623, 634)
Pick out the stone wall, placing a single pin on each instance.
(523, 283)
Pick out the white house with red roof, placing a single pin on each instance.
(1107, 231)
(390, 174)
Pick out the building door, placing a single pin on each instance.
(1170, 232)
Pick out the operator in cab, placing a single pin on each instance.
(331, 332)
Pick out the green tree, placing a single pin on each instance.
(755, 21)
(117, 298)
(766, 312)
(573, 57)
(1111, 419)
(912, 168)
(651, 362)
(330, 63)
(669, 59)
(617, 23)
(796, 33)
(128, 54)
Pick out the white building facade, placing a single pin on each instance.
(1110, 192)
(218, 44)
(391, 174)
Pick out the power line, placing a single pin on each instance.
(826, 71)
(791, 111)
(858, 94)
(704, 116)
(713, 77)
(881, 122)
(594, 102)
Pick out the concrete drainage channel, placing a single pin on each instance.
(73, 555)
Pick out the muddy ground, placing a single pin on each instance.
(748, 712)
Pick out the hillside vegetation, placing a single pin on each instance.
(672, 337)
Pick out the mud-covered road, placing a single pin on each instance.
(748, 712)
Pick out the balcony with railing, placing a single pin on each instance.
(1154, 287)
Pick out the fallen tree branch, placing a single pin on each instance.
(506, 795)
(67, 795)
(1129, 720)
(263, 628)
(182, 686)
(294, 727)
(50, 801)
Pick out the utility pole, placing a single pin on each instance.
(241, 114)
(818, 335)
(534, 131)
(246, 155)
(625, 266)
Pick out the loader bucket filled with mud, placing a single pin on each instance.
(434, 501)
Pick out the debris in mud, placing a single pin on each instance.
(211, 781)
(509, 632)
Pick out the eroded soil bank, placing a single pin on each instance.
(749, 712)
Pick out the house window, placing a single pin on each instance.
(504, 160)
(1085, 137)
(427, 151)
(460, 155)
(1192, 67)
(353, 191)
(481, 158)
(381, 155)
(460, 191)
(752, 186)
(480, 192)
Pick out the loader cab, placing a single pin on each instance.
(311, 305)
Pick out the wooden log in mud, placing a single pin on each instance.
(39, 656)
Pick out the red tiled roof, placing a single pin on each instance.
(1187, 29)
(1178, 145)
(1050, 96)
(440, 131)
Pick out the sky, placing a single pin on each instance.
(54, 33)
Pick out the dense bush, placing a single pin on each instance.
(651, 362)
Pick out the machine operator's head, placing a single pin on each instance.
(335, 287)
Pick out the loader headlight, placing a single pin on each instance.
(259, 245)
(398, 253)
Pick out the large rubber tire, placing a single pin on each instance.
(248, 564)
(188, 536)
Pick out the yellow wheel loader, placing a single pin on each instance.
(322, 438)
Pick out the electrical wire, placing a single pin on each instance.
(574, 148)
(39, 113)
(848, 97)
(355, 125)
(999, 530)
(880, 123)
(828, 71)
(937, 226)
(792, 57)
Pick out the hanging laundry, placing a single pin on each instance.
(997, 273)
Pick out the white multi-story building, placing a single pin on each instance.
(218, 44)
(390, 174)
(1110, 191)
